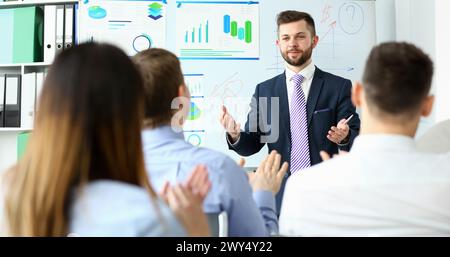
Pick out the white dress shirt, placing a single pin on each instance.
(383, 187)
(307, 73)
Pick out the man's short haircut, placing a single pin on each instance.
(162, 76)
(397, 79)
(294, 16)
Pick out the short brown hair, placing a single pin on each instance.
(162, 75)
(293, 16)
(397, 78)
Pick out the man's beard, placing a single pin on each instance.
(306, 55)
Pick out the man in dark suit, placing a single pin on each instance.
(299, 112)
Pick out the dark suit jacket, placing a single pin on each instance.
(328, 102)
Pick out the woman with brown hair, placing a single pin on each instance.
(83, 171)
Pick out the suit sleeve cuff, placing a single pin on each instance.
(229, 140)
(346, 140)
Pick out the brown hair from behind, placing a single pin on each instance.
(88, 125)
(294, 16)
(397, 79)
(162, 76)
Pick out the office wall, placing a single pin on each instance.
(415, 23)
(385, 17)
(442, 60)
(425, 23)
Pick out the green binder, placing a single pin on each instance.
(21, 31)
(22, 142)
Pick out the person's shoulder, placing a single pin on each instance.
(439, 163)
(322, 175)
(436, 139)
(214, 159)
(114, 208)
(272, 81)
(332, 78)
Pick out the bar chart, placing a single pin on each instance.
(194, 127)
(218, 30)
(198, 34)
(242, 33)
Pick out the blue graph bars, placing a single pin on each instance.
(226, 23)
(200, 30)
(231, 27)
(241, 34)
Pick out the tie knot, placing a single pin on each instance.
(297, 79)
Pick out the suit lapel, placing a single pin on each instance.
(314, 92)
(284, 104)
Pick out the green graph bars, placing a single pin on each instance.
(231, 27)
(248, 31)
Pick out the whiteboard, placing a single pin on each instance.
(346, 31)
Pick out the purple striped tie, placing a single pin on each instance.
(299, 128)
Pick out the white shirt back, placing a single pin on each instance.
(383, 187)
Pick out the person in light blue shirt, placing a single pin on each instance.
(250, 207)
(110, 208)
(83, 171)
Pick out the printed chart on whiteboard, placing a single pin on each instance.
(132, 25)
(217, 30)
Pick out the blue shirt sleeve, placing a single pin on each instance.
(266, 203)
(249, 214)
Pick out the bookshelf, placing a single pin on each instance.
(15, 129)
(9, 135)
(19, 3)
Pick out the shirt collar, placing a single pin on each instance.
(162, 132)
(307, 72)
(383, 141)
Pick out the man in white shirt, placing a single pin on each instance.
(384, 186)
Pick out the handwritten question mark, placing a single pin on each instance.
(352, 8)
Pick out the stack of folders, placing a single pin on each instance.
(10, 97)
(18, 98)
(59, 29)
(36, 33)
(21, 34)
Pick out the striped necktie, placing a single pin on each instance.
(300, 158)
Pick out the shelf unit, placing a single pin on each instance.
(19, 3)
(15, 129)
(22, 68)
(8, 135)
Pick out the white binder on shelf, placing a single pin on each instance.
(69, 28)
(2, 100)
(39, 83)
(49, 33)
(60, 26)
(28, 100)
(11, 109)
